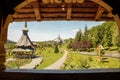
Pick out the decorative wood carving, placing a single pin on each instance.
(99, 13)
(69, 13)
(37, 11)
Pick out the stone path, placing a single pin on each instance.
(58, 63)
(33, 64)
(10, 59)
(112, 55)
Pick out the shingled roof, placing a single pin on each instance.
(24, 42)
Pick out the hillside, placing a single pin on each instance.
(10, 42)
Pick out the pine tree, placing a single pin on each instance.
(69, 45)
(56, 49)
(78, 35)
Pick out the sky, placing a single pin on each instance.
(48, 30)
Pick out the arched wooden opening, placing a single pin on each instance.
(5, 20)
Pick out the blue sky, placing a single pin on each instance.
(48, 30)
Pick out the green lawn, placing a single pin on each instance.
(17, 63)
(80, 61)
(49, 57)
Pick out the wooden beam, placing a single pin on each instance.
(80, 1)
(37, 14)
(58, 1)
(32, 15)
(59, 18)
(103, 4)
(17, 8)
(24, 15)
(24, 19)
(45, 1)
(69, 13)
(37, 11)
(52, 1)
(26, 11)
(110, 14)
(47, 10)
(117, 19)
(99, 13)
(68, 1)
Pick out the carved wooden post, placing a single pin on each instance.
(3, 39)
(2, 57)
(2, 49)
(117, 19)
(99, 48)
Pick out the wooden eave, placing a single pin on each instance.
(38, 10)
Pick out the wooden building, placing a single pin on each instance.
(58, 40)
(40, 10)
(25, 47)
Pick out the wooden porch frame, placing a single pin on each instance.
(3, 38)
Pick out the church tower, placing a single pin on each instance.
(25, 47)
(25, 42)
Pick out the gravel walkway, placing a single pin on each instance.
(33, 64)
(112, 55)
(58, 63)
(10, 59)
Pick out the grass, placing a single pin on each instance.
(106, 63)
(49, 57)
(17, 63)
(80, 61)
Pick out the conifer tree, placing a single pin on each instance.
(69, 45)
(78, 35)
(56, 49)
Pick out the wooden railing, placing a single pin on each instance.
(92, 74)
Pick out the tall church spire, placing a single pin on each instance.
(25, 41)
(25, 27)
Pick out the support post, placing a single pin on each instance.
(3, 39)
(117, 19)
(2, 49)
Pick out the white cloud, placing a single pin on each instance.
(75, 30)
(41, 36)
(102, 22)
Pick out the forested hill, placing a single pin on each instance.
(10, 42)
(106, 34)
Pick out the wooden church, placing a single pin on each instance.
(25, 47)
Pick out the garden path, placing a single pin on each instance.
(112, 55)
(33, 64)
(10, 59)
(58, 63)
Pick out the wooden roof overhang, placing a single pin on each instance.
(11, 10)
(40, 10)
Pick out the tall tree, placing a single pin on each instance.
(56, 49)
(78, 36)
(69, 45)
